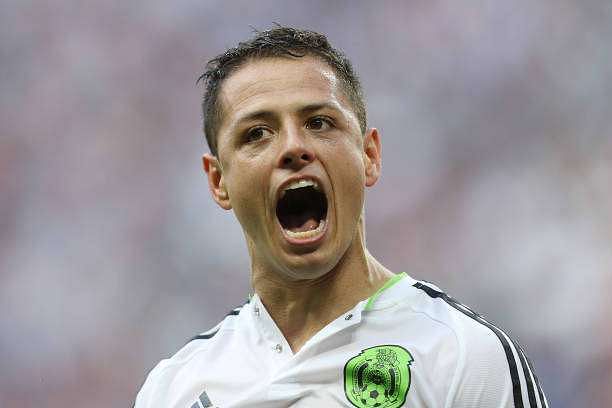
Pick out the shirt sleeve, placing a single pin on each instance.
(144, 398)
(494, 372)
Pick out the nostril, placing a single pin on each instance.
(294, 158)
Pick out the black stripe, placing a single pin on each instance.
(526, 373)
(537, 383)
(205, 336)
(514, 375)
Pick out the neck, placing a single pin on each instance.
(302, 308)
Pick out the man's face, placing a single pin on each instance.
(292, 163)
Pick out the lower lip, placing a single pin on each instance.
(304, 241)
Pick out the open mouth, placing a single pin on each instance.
(302, 210)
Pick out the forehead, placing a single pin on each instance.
(279, 83)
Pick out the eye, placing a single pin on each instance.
(256, 133)
(319, 123)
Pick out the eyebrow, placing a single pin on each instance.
(267, 114)
(318, 106)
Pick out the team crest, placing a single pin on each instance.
(378, 377)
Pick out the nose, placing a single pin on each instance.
(295, 152)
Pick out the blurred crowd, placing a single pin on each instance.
(497, 179)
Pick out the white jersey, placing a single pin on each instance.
(409, 345)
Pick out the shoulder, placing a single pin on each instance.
(160, 378)
(492, 369)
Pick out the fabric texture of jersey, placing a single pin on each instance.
(409, 345)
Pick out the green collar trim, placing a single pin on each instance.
(386, 286)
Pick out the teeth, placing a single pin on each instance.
(300, 184)
(307, 234)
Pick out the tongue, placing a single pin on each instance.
(302, 222)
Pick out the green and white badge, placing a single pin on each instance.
(378, 377)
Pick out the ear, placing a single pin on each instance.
(372, 156)
(216, 183)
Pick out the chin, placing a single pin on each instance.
(309, 266)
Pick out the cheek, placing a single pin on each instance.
(246, 195)
(352, 164)
(247, 190)
(247, 210)
(350, 179)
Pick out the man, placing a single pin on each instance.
(328, 325)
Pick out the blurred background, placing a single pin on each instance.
(497, 143)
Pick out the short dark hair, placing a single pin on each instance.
(277, 42)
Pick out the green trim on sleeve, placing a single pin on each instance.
(384, 287)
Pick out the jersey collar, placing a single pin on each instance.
(387, 296)
(269, 332)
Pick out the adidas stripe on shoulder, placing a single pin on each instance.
(515, 356)
(211, 333)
